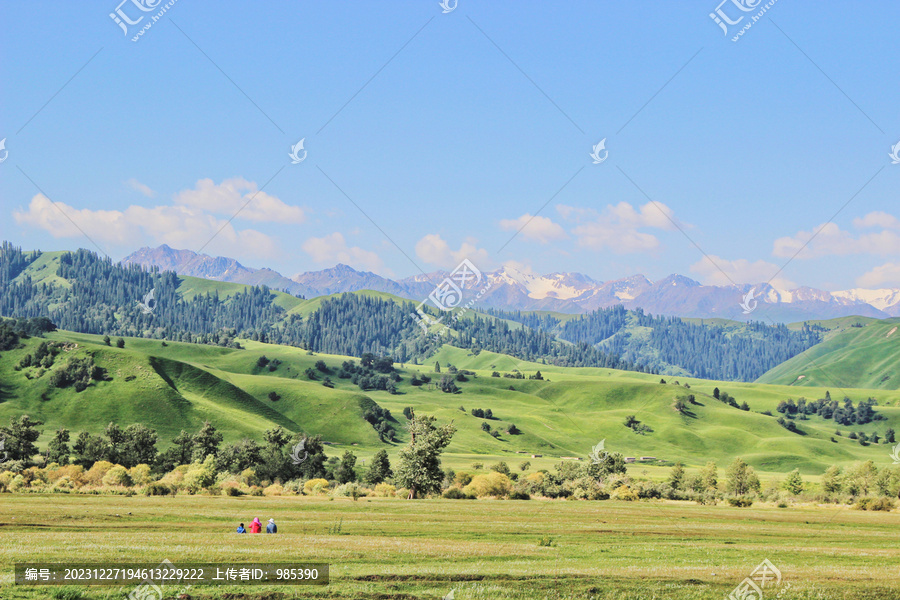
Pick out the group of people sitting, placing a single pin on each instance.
(256, 527)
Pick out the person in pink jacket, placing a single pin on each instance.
(256, 526)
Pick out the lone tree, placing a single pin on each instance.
(420, 463)
(346, 471)
(379, 469)
(794, 482)
(58, 449)
(19, 438)
(741, 478)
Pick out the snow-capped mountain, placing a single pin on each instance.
(512, 288)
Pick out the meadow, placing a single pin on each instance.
(174, 386)
(381, 548)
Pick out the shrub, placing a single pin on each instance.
(349, 490)
(623, 492)
(140, 474)
(200, 475)
(462, 479)
(232, 490)
(457, 494)
(256, 491)
(885, 504)
(740, 501)
(384, 490)
(95, 474)
(489, 484)
(158, 489)
(517, 495)
(315, 487)
(118, 475)
(275, 489)
(249, 478)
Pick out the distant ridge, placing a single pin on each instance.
(515, 289)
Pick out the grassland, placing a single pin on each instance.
(178, 386)
(849, 357)
(398, 549)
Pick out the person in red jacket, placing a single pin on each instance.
(256, 526)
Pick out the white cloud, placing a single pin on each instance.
(537, 229)
(716, 270)
(333, 248)
(140, 187)
(178, 226)
(886, 275)
(434, 250)
(877, 219)
(619, 227)
(831, 240)
(231, 196)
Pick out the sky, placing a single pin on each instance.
(432, 133)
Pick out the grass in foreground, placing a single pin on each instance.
(400, 549)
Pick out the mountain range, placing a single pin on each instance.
(514, 289)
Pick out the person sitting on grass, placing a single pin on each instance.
(256, 526)
(271, 527)
(241, 529)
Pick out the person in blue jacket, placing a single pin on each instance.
(241, 529)
(271, 527)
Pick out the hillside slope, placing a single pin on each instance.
(178, 386)
(866, 356)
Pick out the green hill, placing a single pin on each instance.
(866, 356)
(178, 386)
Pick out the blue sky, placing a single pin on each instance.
(451, 130)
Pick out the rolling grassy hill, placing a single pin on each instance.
(179, 385)
(849, 357)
